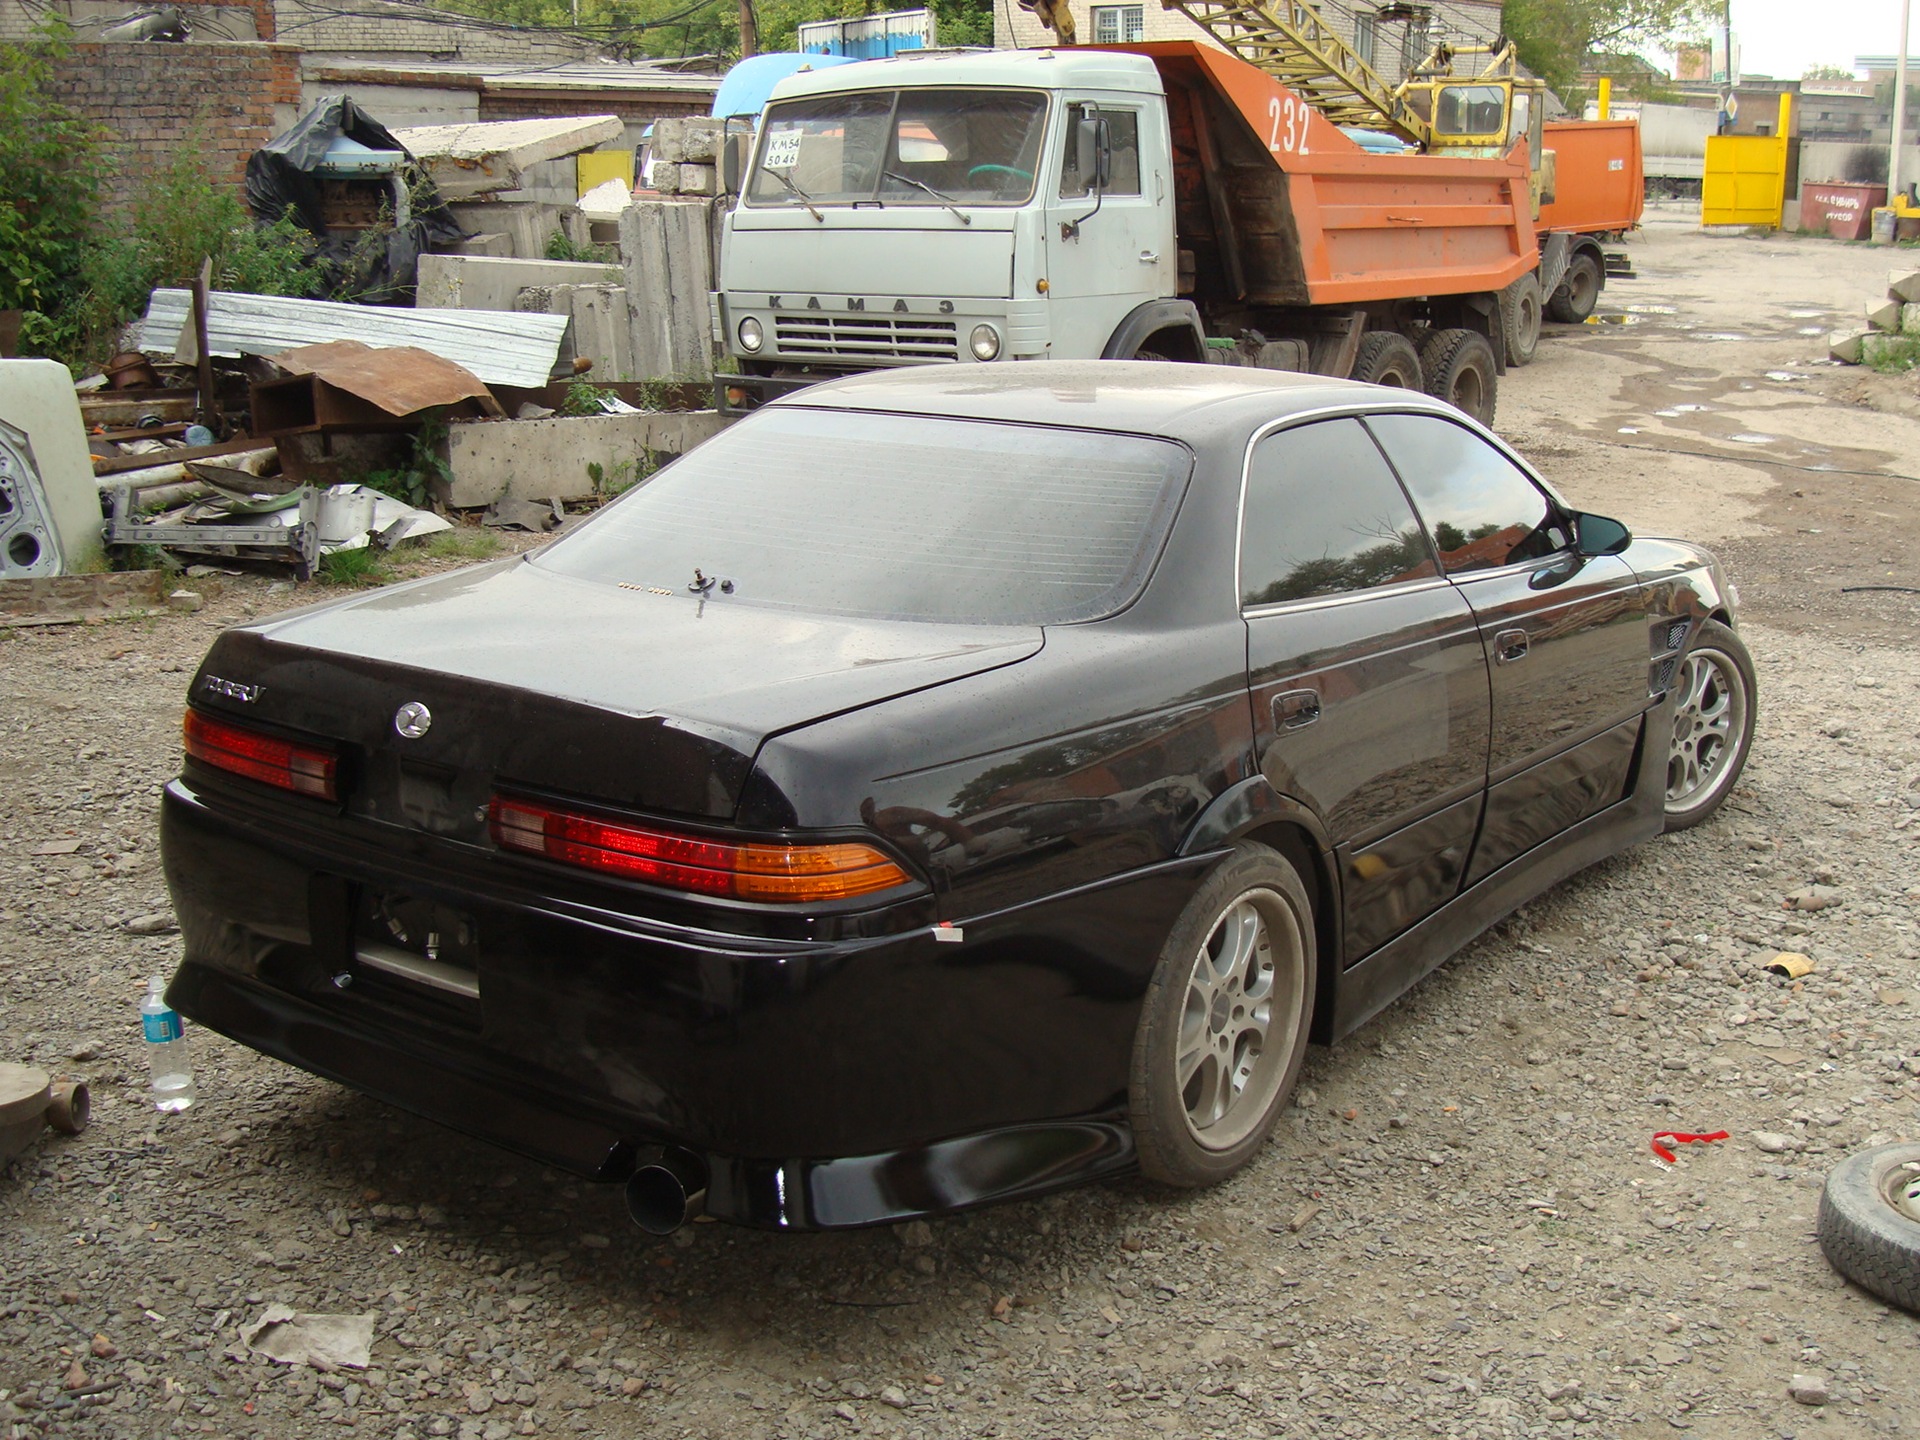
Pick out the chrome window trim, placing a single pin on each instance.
(1345, 597)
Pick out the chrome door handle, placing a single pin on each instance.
(1295, 708)
(1509, 646)
(1149, 257)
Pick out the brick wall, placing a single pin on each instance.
(385, 28)
(211, 20)
(154, 100)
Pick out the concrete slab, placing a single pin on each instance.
(494, 155)
(527, 226)
(599, 315)
(540, 459)
(486, 282)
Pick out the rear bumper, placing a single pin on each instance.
(825, 1083)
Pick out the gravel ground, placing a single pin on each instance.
(1458, 1230)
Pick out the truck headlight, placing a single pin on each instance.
(752, 337)
(985, 342)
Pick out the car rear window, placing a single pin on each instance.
(895, 516)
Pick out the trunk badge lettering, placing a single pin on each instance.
(412, 720)
(232, 689)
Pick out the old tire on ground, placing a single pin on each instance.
(1388, 358)
(1869, 1222)
(1520, 319)
(1459, 369)
(1715, 702)
(1578, 292)
(1223, 1030)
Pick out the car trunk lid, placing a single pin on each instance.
(546, 683)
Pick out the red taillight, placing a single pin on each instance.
(303, 769)
(739, 870)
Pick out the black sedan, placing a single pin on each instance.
(940, 787)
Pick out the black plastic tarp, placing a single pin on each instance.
(373, 267)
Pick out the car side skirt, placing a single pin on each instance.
(1370, 985)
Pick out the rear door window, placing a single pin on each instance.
(895, 516)
(1482, 510)
(1324, 516)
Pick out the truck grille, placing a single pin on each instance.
(902, 337)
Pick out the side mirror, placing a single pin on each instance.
(1093, 152)
(1597, 535)
(733, 162)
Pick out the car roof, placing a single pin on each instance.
(1202, 405)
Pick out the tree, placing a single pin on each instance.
(48, 177)
(1825, 72)
(1555, 37)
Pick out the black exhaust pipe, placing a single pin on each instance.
(666, 1190)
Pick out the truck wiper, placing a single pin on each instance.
(798, 194)
(946, 200)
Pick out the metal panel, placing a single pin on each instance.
(499, 347)
(1745, 180)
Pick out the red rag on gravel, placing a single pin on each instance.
(1682, 1139)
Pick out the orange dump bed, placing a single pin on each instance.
(1598, 185)
(1279, 208)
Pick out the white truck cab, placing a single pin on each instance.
(980, 207)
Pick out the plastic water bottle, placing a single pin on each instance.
(166, 1049)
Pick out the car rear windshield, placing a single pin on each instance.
(894, 516)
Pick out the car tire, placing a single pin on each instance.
(1715, 702)
(1388, 358)
(1520, 319)
(1223, 1031)
(1459, 369)
(1577, 293)
(1869, 1223)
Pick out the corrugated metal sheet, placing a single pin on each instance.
(501, 347)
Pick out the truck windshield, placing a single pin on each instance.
(901, 147)
(902, 517)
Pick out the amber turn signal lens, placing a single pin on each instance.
(303, 769)
(739, 870)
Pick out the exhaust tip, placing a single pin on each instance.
(666, 1190)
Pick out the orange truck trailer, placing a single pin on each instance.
(1599, 191)
(1163, 200)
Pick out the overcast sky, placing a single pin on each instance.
(1782, 38)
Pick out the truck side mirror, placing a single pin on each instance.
(1093, 152)
(733, 161)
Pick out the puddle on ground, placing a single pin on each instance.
(1806, 314)
(1755, 439)
(1785, 377)
(1723, 335)
(1629, 429)
(1611, 317)
(1653, 309)
(1811, 330)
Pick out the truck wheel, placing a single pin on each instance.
(1579, 291)
(1388, 358)
(1459, 368)
(1520, 319)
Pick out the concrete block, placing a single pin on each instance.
(539, 459)
(484, 282)
(600, 329)
(666, 252)
(700, 139)
(527, 225)
(495, 155)
(1877, 349)
(1883, 314)
(1903, 285)
(487, 243)
(670, 140)
(1844, 346)
(698, 179)
(1910, 319)
(666, 176)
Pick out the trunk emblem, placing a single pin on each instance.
(412, 720)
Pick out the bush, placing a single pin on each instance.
(49, 173)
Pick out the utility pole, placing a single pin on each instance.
(749, 30)
(1726, 75)
(1899, 105)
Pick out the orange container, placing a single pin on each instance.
(1598, 181)
(1279, 207)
